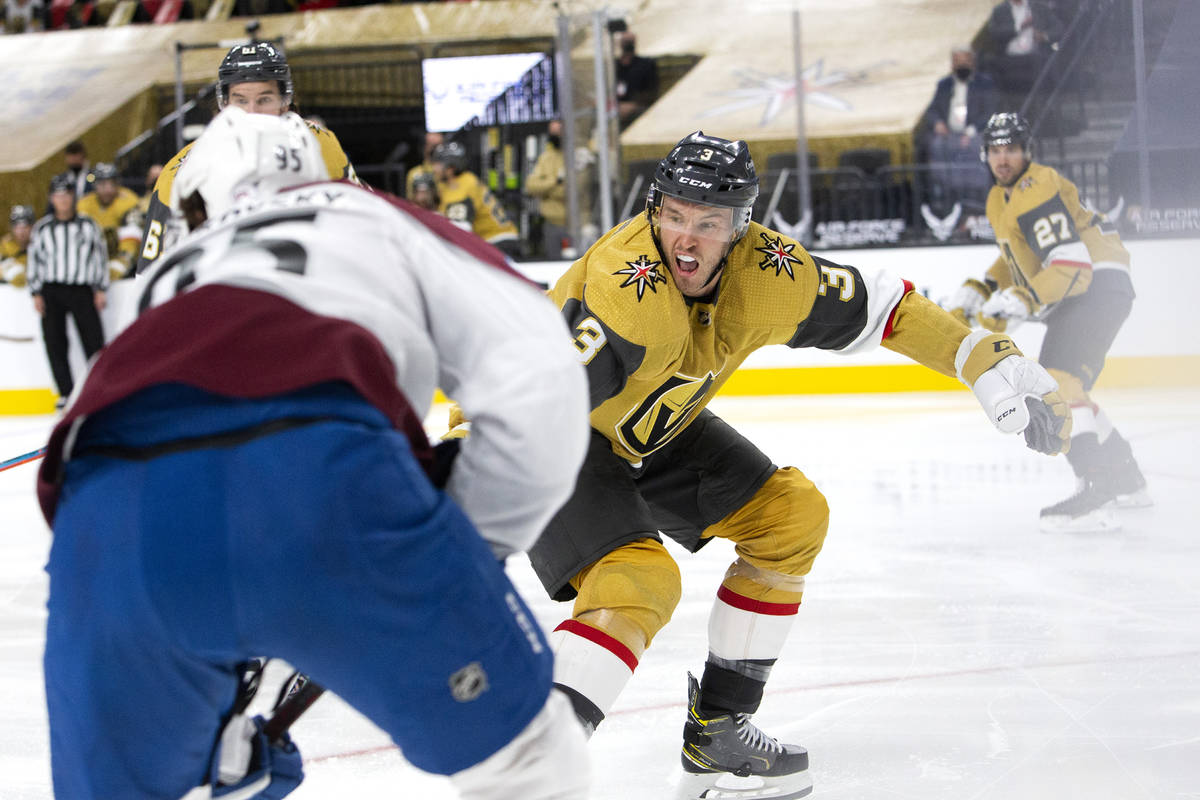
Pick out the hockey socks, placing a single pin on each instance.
(591, 668)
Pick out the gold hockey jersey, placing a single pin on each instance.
(1050, 242)
(13, 261)
(121, 228)
(470, 205)
(157, 231)
(655, 358)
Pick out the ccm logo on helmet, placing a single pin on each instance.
(694, 182)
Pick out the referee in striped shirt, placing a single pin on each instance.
(67, 274)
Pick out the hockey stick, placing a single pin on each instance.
(4, 337)
(33, 455)
(298, 694)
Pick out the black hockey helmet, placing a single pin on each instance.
(258, 61)
(21, 214)
(452, 154)
(1006, 127)
(62, 182)
(424, 180)
(104, 172)
(711, 171)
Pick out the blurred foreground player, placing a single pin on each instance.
(245, 474)
(664, 308)
(1062, 264)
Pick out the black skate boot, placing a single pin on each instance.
(726, 756)
(1086, 511)
(1128, 483)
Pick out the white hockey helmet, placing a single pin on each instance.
(242, 155)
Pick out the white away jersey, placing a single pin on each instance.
(333, 281)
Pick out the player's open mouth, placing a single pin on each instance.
(686, 264)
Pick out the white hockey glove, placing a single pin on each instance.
(1017, 394)
(12, 271)
(1011, 303)
(965, 303)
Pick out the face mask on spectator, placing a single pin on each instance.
(962, 73)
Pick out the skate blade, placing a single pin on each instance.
(724, 786)
(1099, 521)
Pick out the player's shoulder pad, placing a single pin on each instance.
(771, 279)
(626, 285)
(166, 178)
(87, 204)
(337, 163)
(1036, 183)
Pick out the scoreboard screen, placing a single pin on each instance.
(513, 87)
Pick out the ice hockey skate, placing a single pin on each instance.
(1088, 510)
(1129, 487)
(727, 758)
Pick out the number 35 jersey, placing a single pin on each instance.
(1050, 242)
(655, 357)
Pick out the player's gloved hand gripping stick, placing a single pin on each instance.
(1016, 392)
(255, 758)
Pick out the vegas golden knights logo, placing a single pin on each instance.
(664, 413)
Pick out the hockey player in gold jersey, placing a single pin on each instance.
(256, 78)
(466, 202)
(14, 246)
(1062, 264)
(664, 308)
(114, 208)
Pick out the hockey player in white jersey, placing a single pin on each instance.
(245, 473)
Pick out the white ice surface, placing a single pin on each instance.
(945, 650)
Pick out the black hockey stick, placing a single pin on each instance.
(296, 696)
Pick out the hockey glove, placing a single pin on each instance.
(248, 767)
(966, 302)
(116, 269)
(1011, 303)
(998, 324)
(445, 451)
(12, 271)
(1017, 394)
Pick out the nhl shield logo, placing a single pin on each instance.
(468, 683)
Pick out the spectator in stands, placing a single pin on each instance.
(114, 209)
(637, 80)
(1023, 34)
(15, 245)
(949, 135)
(22, 16)
(547, 182)
(466, 202)
(432, 140)
(67, 274)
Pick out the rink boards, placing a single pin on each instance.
(1159, 345)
